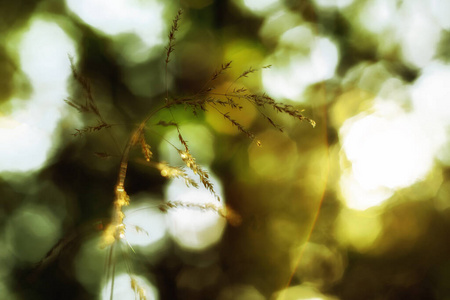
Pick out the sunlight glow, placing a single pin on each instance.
(145, 226)
(194, 228)
(430, 94)
(26, 149)
(333, 3)
(118, 17)
(388, 150)
(294, 71)
(441, 11)
(43, 54)
(432, 106)
(419, 33)
(43, 57)
(388, 153)
(378, 15)
(359, 197)
(261, 7)
(410, 24)
(123, 288)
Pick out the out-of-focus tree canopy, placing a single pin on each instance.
(356, 208)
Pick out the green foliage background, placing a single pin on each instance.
(277, 189)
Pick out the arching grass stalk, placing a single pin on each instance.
(206, 98)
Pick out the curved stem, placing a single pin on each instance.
(134, 136)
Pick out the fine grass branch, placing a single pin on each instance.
(206, 98)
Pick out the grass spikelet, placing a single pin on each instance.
(167, 124)
(263, 100)
(108, 236)
(239, 91)
(173, 30)
(146, 148)
(271, 122)
(80, 107)
(225, 102)
(90, 105)
(139, 229)
(236, 124)
(89, 129)
(229, 214)
(170, 48)
(175, 172)
(214, 76)
(102, 155)
(246, 72)
(189, 160)
(183, 141)
(139, 291)
(224, 67)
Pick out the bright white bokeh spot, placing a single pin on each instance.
(43, 54)
(277, 23)
(333, 3)
(28, 130)
(410, 25)
(145, 225)
(324, 59)
(431, 103)
(419, 33)
(24, 147)
(115, 17)
(299, 37)
(441, 12)
(392, 153)
(194, 228)
(431, 94)
(378, 15)
(261, 7)
(388, 150)
(294, 71)
(360, 198)
(123, 290)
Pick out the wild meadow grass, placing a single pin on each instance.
(206, 99)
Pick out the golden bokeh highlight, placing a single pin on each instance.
(358, 230)
(276, 159)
